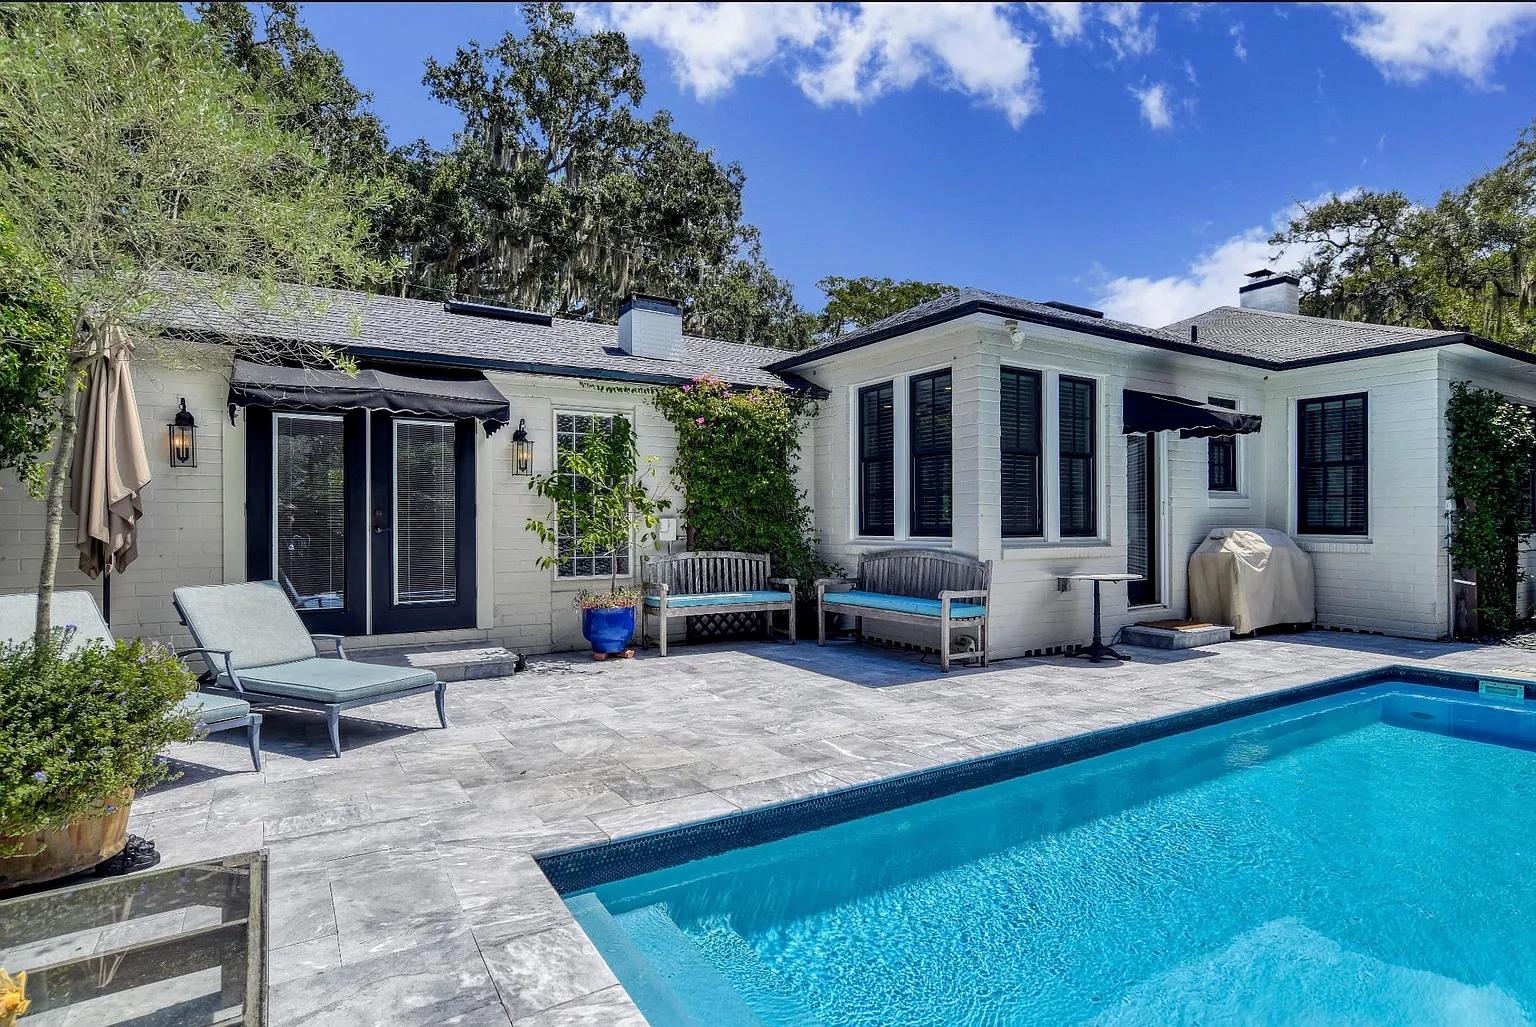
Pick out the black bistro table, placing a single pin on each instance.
(1098, 650)
(181, 945)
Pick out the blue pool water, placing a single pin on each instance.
(1365, 858)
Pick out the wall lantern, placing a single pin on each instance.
(522, 449)
(184, 438)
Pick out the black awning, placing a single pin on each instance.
(1148, 411)
(303, 388)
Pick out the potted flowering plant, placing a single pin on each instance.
(600, 506)
(79, 731)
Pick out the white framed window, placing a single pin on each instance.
(571, 428)
(1223, 474)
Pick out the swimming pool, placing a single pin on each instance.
(1358, 853)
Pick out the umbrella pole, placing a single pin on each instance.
(106, 597)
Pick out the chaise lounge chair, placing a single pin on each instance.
(78, 610)
(253, 643)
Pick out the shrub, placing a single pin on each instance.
(78, 728)
(737, 454)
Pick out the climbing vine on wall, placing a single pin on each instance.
(1491, 445)
(737, 456)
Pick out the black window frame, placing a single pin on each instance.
(1015, 451)
(1089, 528)
(883, 464)
(1221, 454)
(918, 525)
(1304, 524)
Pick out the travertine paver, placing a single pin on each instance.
(402, 885)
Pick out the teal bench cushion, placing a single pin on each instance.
(330, 681)
(903, 604)
(720, 599)
(210, 709)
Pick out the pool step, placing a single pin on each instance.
(1170, 634)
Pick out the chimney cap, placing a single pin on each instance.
(649, 301)
(1262, 272)
(1264, 283)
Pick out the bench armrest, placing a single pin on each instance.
(822, 583)
(337, 639)
(656, 588)
(790, 584)
(226, 656)
(972, 594)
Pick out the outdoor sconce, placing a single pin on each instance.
(522, 450)
(184, 438)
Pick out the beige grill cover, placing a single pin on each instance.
(1250, 578)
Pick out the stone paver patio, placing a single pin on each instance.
(403, 888)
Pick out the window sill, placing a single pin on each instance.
(1227, 500)
(1334, 540)
(1029, 550)
(911, 542)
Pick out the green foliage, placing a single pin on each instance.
(856, 302)
(1492, 442)
(600, 504)
(82, 727)
(737, 455)
(1467, 263)
(34, 348)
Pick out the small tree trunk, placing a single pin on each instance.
(58, 474)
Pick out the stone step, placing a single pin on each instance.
(452, 661)
(1176, 635)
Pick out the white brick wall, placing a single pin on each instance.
(1390, 582)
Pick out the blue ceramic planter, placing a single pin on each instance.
(609, 631)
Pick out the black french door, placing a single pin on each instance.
(422, 519)
(333, 496)
(1141, 492)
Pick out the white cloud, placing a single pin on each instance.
(1065, 20)
(1128, 34)
(1239, 50)
(1154, 105)
(842, 54)
(1410, 41)
(971, 48)
(1210, 280)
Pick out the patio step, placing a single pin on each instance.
(452, 661)
(1176, 634)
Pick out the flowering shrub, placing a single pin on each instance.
(616, 598)
(78, 729)
(737, 454)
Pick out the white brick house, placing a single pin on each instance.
(1040, 478)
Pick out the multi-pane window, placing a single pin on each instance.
(1023, 511)
(1333, 494)
(1077, 442)
(426, 512)
(309, 537)
(1221, 451)
(877, 459)
(932, 462)
(571, 433)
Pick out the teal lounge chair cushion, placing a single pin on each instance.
(254, 620)
(18, 615)
(720, 599)
(210, 709)
(903, 604)
(330, 681)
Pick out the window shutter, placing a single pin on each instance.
(877, 453)
(932, 468)
(1333, 494)
(1079, 516)
(1020, 444)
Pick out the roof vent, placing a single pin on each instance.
(1073, 308)
(527, 317)
(1271, 291)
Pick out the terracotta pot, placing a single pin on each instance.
(49, 855)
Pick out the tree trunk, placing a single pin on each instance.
(58, 475)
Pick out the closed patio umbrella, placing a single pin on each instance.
(110, 468)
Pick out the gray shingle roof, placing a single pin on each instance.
(387, 326)
(1287, 338)
(958, 304)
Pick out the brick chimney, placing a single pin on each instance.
(1269, 290)
(651, 326)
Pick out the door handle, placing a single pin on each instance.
(378, 521)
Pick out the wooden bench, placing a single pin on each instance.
(914, 586)
(687, 585)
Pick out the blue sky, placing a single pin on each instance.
(1127, 156)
